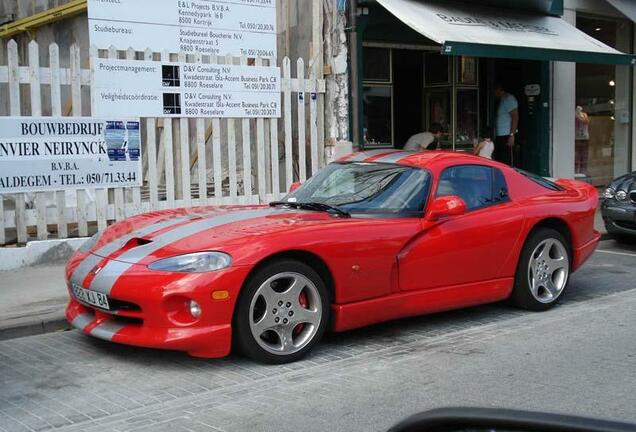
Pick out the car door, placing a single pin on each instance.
(468, 248)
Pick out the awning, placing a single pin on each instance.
(483, 31)
(626, 7)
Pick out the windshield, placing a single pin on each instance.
(367, 189)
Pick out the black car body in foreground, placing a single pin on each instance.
(619, 207)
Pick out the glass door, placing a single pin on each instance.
(452, 99)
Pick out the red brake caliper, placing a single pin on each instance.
(302, 299)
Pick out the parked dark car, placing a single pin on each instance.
(619, 208)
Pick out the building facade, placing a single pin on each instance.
(570, 68)
(387, 80)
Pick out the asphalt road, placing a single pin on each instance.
(579, 358)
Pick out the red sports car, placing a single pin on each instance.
(376, 236)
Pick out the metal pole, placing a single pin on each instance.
(353, 49)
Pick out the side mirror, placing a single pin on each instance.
(445, 207)
(294, 186)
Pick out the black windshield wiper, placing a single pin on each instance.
(324, 207)
(312, 206)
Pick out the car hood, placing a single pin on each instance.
(626, 183)
(156, 235)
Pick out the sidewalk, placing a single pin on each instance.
(32, 299)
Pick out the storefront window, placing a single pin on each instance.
(438, 109)
(377, 98)
(437, 69)
(467, 130)
(377, 64)
(452, 99)
(403, 96)
(378, 118)
(603, 106)
(467, 71)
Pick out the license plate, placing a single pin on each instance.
(92, 298)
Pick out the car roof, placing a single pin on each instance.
(422, 159)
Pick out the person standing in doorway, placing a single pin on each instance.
(582, 121)
(506, 125)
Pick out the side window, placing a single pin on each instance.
(473, 183)
(500, 190)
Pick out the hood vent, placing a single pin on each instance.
(135, 242)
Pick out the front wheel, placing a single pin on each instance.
(543, 271)
(282, 313)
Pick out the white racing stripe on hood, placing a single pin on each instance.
(119, 243)
(106, 278)
(94, 258)
(82, 270)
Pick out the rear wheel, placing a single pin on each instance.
(543, 271)
(282, 313)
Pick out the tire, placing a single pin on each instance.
(282, 312)
(543, 271)
(623, 238)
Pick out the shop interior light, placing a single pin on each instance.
(612, 83)
(598, 29)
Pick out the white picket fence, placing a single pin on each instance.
(187, 162)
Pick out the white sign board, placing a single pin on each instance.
(47, 153)
(157, 89)
(532, 89)
(236, 27)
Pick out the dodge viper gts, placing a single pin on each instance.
(375, 236)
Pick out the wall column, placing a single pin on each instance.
(563, 113)
(633, 150)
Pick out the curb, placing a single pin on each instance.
(38, 252)
(34, 328)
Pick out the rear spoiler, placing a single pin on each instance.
(580, 187)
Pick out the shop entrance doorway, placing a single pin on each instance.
(408, 91)
(528, 81)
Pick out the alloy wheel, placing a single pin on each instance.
(285, 313)
(548, 270)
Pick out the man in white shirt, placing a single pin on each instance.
(507, 123)
(425, 140)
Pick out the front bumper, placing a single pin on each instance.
(619, 219)
(199, 341)
(149, 309)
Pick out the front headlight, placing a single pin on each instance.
(199, 262)
(88, 244)
(621, 195)
(609, 193)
